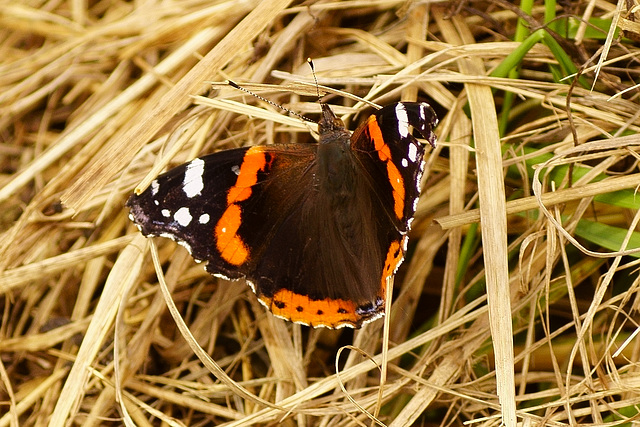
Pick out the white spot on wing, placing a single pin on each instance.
(403, 120)
(413, 153)
(166, 213)
(183, 216)
(204, 219)
(405, 163)
(235, 169)
(154, 187)
(193, 184)
(423, 109)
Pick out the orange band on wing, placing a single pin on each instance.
(332, 313)
(394, 258)
(395, 178)
(253, 162)
(328, 312)
(228, 242)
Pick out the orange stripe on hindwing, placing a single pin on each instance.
(395, 255)
(229, 243)
(302, 309)
(384, 154)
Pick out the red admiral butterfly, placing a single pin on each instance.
(316, 229)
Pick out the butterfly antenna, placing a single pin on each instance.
(262, 98)
(315, 78)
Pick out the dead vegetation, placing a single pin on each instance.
(529, 199)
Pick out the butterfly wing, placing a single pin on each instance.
(386, 148)
(391, 165)
(329, 262)
(203, 204)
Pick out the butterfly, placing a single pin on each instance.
(316, 229)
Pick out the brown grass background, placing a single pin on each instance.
(512, 305)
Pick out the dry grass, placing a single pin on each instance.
(96, 101)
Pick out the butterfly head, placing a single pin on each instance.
(329, 121)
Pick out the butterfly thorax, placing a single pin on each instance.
(335, 168)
